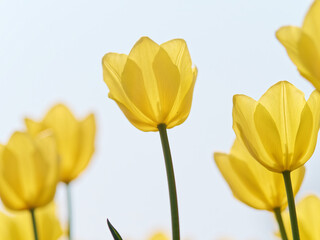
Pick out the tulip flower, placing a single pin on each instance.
(303, 44)
(153, 84)
(308, 211)
(17, 226)
(253, 184)
(75, 139)
(159, 236)
(29, 172)
(280, 131)
(75, 142)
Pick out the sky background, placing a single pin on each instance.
(50, 52)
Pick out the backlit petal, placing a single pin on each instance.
(168, 83)
(302, 51)
(86, 147)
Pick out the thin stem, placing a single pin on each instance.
(277, 213)
(69, 210)
(171, 182)
(291, 205)
(34, 223)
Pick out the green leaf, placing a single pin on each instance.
(115, 234)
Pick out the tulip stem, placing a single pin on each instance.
(277, 213)
(171, 182)
(34, 223)
(69, 210)
(291, 204)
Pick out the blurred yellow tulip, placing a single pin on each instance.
(253, 184)
(159, 236)
(280, 129)
(303, 44)
(75, 139)
(308, 211)
(29, 171)
(153, 84)
(19, 226)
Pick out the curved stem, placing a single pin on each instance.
(277, 213)
(69, 210)
(34, 223)
(171, 182)
(291, 205)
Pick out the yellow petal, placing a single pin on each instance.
(134, 86)
(66, 131)
(168, 83)
(181, 109)
(143, 54)
(306, 138)
(178, 51)
(302, 51)
(311, 23)
(239, 186)
(86, 147)
(33, 127)
(244, 127)
(270, 138)
(113, 67)
(252, 183)
(308, 213)
(285, 103)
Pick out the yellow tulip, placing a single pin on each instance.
(159, 236)
(280, 129)
(303, 44)
(308, 212)
(152, 85)
(28, 171)
(253, 184)
(19, 226)
(75, 139)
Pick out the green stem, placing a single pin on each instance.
(277, 213)
(171, 182)
(291, 205)
(69, 210)
(34, 223)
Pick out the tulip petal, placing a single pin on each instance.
(180, 112)
(113, 65)
(178, 51)
(12, 194)
(66, 131)
(308, 212)
(297, 177)
(46, 145)
(311, 23)
(33, 127)
(168, 83)
(244, 186)
(302, 51)
(86, 146)
(134, 87)
(143, 54)
(244, 127)
(270, 138)
(306, 138)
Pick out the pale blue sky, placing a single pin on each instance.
(51, 52)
